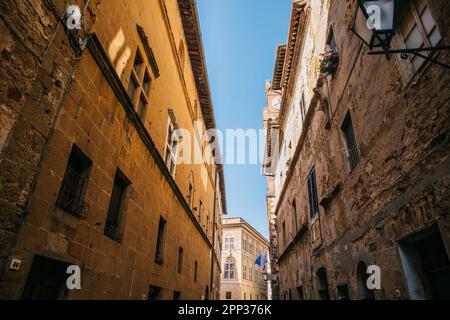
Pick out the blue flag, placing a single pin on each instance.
(261, 261)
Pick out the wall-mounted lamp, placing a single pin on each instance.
(374, 24)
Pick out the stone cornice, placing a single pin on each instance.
(278, 68)
(245, 225)
(192, 33)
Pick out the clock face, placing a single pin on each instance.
(276, 103)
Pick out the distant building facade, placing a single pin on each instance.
(242, 279)
(88, 153)
(362, 173)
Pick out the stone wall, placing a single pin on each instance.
(401, 183)
(54, 97)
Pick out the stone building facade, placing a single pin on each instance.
(271, 131)
(88, 153)
(363, 173)
(242, 279)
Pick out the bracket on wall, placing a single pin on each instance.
(404, 54)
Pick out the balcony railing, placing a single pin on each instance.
(353, 157)
(70, 197)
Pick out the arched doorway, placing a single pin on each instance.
(364, 293)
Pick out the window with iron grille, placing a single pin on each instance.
(73, 188)
(159, 257)
(113, 227)
(350, 142)
(312, 193)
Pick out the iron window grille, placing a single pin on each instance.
(71, 195)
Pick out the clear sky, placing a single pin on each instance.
(240, 38)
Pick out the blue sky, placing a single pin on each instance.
(240, 38)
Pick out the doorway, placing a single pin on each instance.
(46, 280)
(426, 265)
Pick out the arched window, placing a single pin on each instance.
(229, 269)
(363, 292)
(322, 284)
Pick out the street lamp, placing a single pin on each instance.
(375, 22)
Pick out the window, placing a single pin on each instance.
(159, 257)
(147, 83)
(46, 280)
(116, 207)
(142, 106)
(180, 259)
(244, 272)
(170, 156)
(284, 234)
(176, 295)
(363, 292)
(300, 294)
(138, 62)
(195, 271)
(250, 277)
(191, 195)
(302, 107)
(331, 42)
(294, 214)
(154, 293)
(342, 292)
(312, 192)
(207, 223)
(418, 29)
(133, 87)
(229, 269)
(322, 284)
(73, 188)
(425, 259)
(139, 85)
(228, 295)
(181, 53)
(350, 141)
(245, 244)
(229, 242)
(200, 210)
